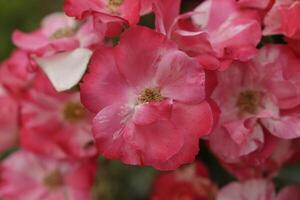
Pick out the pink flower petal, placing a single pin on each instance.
(181, 78)
(142, 57)
(286, 127)
(256, 189)
(105, 78)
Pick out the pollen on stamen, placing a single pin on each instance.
(74, 111)
(150, 95)
(62, 33)
(248, 101)
(113, 5)
(53, 180)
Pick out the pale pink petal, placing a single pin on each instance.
(65, 70)
(286, 127)
(55, 22)
(256, 189)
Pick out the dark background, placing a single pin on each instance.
(24, 15)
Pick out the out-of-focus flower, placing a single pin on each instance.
(55, 124)
(57, 33)
(283, 18)
(108, 10)
(15, 73)
(190, 182)
(25, 176)
(229, 29)
(217, 33)
(150, 99)
(61, 47)
(289, 193)
(257, 189)
(257, 101)
(265, 162)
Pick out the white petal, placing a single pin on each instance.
(66, 69)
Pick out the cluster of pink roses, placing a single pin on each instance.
(93, 82)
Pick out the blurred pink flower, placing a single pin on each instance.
(283, 18)
(108, 10)
(25, 176)
(256, 189)
(257, 101)
(55, 124)
(57, 33)
(217, 32)
(190, 182)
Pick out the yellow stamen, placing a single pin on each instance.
(62, 33)
(248, 101)
(53, 180)
(74, 111)
(150, 95)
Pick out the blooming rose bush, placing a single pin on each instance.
(145, 82)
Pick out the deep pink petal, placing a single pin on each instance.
(150, 112)
(165, 13)
(195, 121)
(103, 77)
(137, 61)
(109, 129)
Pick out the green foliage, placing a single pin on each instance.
(24, 15)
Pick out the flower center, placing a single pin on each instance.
(53, 180)
(62, 33)
(74, 111)
(114, 4)
(149, 95)
(248, 101)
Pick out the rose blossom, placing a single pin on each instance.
(26, 176)
(150, 100)
(257, 189)
(265, 162)
(257, 101)
(216, 32)
(115, 10)
(61, 47)
(57, 33)
(55, 124)
(283, 18)
(189, 182)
